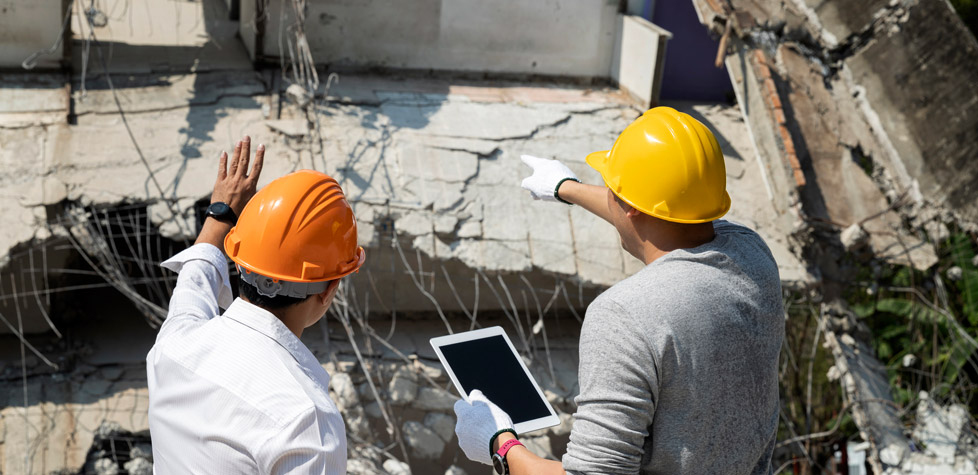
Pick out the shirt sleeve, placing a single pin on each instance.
(618, 389)
(305, 445)
(203, 287)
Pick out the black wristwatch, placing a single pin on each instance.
(222, 212)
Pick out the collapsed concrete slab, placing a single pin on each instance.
(863, 115)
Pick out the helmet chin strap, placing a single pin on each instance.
(270, 287)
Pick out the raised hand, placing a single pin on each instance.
(235, 186)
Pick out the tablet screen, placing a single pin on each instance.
(499, 376)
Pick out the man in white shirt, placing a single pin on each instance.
(238, 392)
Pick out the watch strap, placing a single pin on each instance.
(492, 440)
(561, 182)
(509, 444)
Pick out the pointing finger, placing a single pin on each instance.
(532, 161)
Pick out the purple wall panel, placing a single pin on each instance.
(689, 72)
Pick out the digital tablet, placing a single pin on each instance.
(485, 359)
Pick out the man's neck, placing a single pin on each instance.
(288, 316)
(666, 238)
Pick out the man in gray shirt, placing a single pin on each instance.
(678, 363)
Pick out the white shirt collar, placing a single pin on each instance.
(266, 323)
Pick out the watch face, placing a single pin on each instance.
(219, 208)
(498, 464)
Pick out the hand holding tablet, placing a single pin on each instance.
(486, 360)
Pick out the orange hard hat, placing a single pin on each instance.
(298, 229)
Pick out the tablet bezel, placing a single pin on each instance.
(522, 427)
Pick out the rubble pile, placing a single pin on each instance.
(865, 116)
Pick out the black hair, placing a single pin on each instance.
(250, 293)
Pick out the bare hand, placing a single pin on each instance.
(235, 186)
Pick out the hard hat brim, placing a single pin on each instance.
(361, 258)
(598, 161)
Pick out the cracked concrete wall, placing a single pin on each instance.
(547, 38)
(28, 26)
(430, 162)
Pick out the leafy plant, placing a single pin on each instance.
(930, 317)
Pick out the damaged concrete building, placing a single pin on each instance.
(868, 114)
(853, 132)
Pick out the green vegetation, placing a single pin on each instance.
(810, 403)
(924, 325)
(968, 11)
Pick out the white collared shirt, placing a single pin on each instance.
(238, 392)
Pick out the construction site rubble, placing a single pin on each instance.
(838, 152)
(872, 158)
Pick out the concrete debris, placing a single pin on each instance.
(441, 424)
(79, 422)
(834, 373)
(344, 393)
(815, 102)
(939, 428)
(829, 94)
(106, 466)
(363, 467)
(434, 399)
(139, 466)
(430, 369)
(455, 470)
(539, 445)
(854, 238)
(867, 389)
(299, 95)
(564, 428)
(403, 388)
(424, 442)
(396, 467)
(954, 273)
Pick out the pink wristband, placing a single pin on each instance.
(504, 449)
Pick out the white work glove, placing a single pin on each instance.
(547, 176)
(478, 420)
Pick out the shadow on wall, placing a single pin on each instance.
(146, 59)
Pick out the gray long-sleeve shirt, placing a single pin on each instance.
(678, 364)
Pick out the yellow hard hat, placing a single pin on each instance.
(668, 165)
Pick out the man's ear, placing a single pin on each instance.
(327, 295)
(632, 212)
